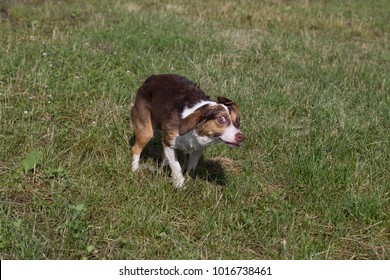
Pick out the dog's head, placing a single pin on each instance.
(219, 121)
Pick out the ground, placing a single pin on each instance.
(310, 182)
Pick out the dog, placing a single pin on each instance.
(188, 119)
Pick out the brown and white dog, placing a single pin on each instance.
(188, 119)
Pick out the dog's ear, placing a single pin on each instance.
(225, 101)
(189, 122)
(232, 106)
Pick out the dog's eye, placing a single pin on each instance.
(221, 120)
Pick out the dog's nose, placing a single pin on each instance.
(239, 137)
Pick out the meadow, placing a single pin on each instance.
(312, 180)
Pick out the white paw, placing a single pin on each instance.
(135, 163)
(178, 182)
(134, 168)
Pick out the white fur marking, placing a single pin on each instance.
(165, 161)
(188, 111)
(177, 175)
(229, 135)
(135, 163)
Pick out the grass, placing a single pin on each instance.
(311, 182)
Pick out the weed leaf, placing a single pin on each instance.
(31, 161)
(90, 248)
(79, 207)
(18, 223)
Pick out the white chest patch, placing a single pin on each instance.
(191, 142)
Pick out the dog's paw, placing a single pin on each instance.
(135, 163)
(178, 182)
(134, 168)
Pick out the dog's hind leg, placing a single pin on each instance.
(143, 130)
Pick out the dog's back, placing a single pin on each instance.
(165, 97)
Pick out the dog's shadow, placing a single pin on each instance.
(208, 170)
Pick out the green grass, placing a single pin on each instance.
(312, 80)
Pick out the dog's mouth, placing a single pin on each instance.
(231, 144)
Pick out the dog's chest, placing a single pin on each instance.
(191, 142)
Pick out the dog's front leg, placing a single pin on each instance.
(193, 161)
(177, 175)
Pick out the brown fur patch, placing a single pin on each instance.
(235, 115)
(169, 136)
(142, 125)
(190, 122)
